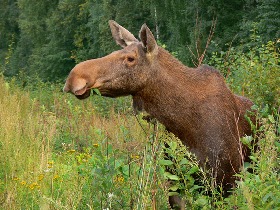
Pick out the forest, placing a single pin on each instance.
(57, 152)
(47, 38)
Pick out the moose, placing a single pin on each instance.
(194, 104)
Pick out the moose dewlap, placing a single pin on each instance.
(193, 103)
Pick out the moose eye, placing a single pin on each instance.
(130, 59)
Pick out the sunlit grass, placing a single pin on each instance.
(65, 154)
(26, 139)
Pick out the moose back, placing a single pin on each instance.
(193, 103)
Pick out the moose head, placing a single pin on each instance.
(121, 73)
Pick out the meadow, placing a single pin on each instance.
(57, 152)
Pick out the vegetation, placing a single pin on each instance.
(57, 152)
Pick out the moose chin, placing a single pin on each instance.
(193, 103)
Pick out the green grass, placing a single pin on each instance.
(61, 153)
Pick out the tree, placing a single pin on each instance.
(9, 30)
(269, 19)
(49, 37)
(53, 59)
(32, 26)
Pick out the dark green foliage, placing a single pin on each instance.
(259, 181)
(269, 19)
(53, 59)
(252, 72)
(186, 178)
(47, 38)
(8, 23)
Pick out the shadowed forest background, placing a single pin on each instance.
(57, 152)
(48, 38)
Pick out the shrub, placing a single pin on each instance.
(254, 73)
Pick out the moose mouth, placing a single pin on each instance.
(84, 95)
(85, 92)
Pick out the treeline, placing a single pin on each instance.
(47, 38)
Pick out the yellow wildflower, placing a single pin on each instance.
(50, 162)
(135, 156)
(88, 156)
(40, 177)
(23, 182)
(15, 178)
(55, 177)
(34, 185)
(95, 145)
(119, 179)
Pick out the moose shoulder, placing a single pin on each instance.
(193, 103)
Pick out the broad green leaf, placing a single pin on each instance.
(193, 170)
(247, 140)
(164, 162)
(118, 163)
(171, 176)
(173, 145)
(109, 149)
(174, 187)
(201, 201)
(253, 158)
(184, 161)
(195, 187)
(172, 193)
(125, 170)
(271, 118)
(277, 144)
(267, 194)
(246, 165)
(96, 91)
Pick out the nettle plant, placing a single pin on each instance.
(184, 175)
(258, 186)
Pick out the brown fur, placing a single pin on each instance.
(193, 103)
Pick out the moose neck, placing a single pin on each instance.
(164, 97)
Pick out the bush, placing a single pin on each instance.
(259, 187)
(254, 73)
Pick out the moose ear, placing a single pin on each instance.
(148, 40)
(122, 36)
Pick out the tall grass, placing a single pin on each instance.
(60, 153)
(25, 148)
